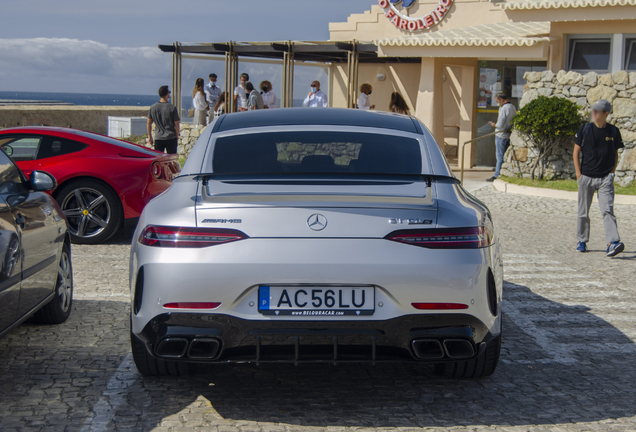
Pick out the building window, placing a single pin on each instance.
(589, 53)
(630, 54)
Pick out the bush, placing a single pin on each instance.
(545, 123)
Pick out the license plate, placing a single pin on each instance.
(316, 301)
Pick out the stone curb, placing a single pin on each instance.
(506, 187)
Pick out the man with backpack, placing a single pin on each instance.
(595, 160)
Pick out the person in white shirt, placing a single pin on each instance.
(363, 101)
(212, 93)
(240, 94)
(200, 104)
(316, 98)
(269, 98)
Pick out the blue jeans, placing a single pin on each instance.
(502, 145)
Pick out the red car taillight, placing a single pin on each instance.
(445, 238)
(179, 237)
(197, 305)
(439, 306)
(156, 170)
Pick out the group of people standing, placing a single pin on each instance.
(397, 104)
(210, 102)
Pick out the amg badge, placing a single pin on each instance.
(411, 221)
(222, 221)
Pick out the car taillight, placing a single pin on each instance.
(175, 167)
(439, 306)
(445, 238)
(179, 237)
(156, 170)
(197, 305)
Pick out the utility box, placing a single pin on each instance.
(124, 127)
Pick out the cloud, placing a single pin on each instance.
(39, 64)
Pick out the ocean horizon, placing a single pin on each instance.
(90, 99)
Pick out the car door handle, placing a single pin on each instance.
(19, 219)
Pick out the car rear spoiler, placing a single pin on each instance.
(427, 199)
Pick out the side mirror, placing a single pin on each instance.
(42, 181)
(8, 150)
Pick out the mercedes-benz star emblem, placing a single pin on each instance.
(317, 222)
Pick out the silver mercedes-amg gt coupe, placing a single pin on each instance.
(316, 235)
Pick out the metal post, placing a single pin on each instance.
(230, 78)
(285, 80)
(236, 71)
(179, 79)
(349, 79)
(459, 129)
(172, 74)
(227, 81)
(291, 80)
(461, 161)
(356, 56)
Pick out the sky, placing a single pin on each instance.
(110, 46)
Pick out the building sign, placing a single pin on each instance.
(412, 24)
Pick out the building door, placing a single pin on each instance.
(495, 77)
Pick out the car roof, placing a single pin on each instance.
(70, 133)
(317, 116)
(37, 129)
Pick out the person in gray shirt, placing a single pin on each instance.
(507, 111)
(254, 99)
(166, 119)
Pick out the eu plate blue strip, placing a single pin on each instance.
(264, 298)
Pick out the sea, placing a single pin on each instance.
(91, 99)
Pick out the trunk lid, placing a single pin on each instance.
(317, 209)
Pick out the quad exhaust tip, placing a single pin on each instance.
(432, 349)
(198, 348)
(427, 349)
(458, 348)
(203, 348)
(172, 347)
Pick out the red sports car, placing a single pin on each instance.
(102, 181)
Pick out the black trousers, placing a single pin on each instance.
(168, 146)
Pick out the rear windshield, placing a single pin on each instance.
(317, 153)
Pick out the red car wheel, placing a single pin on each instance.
(93, 211)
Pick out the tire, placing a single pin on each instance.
(481, 366)
(93, 210)
(11, 257)
(148, 365)
(59, 308)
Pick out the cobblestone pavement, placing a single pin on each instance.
(567, 361)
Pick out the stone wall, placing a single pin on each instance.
(88, 118)
(188, 136)
(618, 88)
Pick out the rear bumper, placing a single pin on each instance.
(218, 338)
(135, 200)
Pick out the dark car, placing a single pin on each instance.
(36, 275)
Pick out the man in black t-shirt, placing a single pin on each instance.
(595, 161)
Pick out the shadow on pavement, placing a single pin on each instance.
(529, 388)
(122, 237)
(56, 375)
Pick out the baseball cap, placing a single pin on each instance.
(602, 105)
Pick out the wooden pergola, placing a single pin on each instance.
(351, 52)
